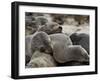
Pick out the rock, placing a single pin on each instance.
(28, 53)
(58, 18)
(41, 20)
(28, 19)
(81, 39)
(40, 59)
(51, 28)
(39, 41)
(82, 19)
(31, 27)
(69, 20)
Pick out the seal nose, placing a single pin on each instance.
(60, 27)
(42, 49)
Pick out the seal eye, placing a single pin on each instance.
(60, 27)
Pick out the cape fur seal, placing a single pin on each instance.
(51, 28)
(71, 54)
(39, 41)
(60, 38)
(81, 39)
(64, 51)
(59, 44)
(40, 59)
(41, 20)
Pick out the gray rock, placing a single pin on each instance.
(28, 19)
(31, 27)
(58, 18)
(28, 52)
(41, 20)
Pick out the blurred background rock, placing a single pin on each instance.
(69, 23)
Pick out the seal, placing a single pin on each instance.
(70, 54)
(51, 28)
(40, 59)
(39, 41)
(60, 43)
(81, 39)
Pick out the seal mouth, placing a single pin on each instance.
(46, 50)
(42, 49)
(60, 27)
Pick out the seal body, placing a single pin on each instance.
(51, 28)
(38, 41)
(75, 55)
(64, 51)
(40, 59)
(60, 43)
(81, 39)
(70, 55)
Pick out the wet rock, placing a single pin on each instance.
(41, 20)
(58, 18)
(28, 52)
(31, 27)
(82, 19)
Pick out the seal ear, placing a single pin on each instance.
(59, 29)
